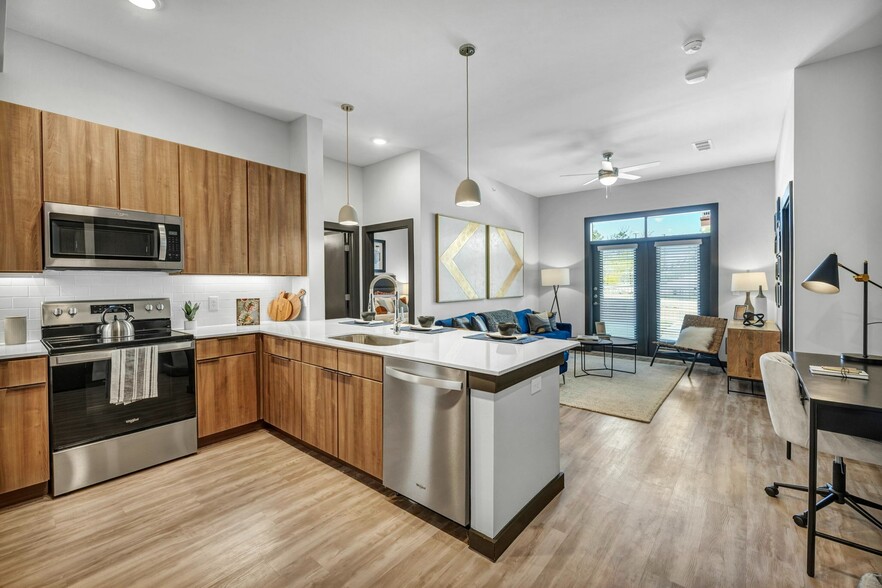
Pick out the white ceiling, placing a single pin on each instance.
(553, 83)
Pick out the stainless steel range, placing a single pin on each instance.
(122, 397)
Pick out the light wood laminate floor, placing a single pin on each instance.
(678, 502)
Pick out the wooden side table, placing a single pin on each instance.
(744, 346)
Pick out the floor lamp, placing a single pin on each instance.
(825, 280)
(556, 277)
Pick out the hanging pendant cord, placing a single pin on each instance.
(347, 157)
(468, 147)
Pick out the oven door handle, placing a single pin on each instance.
(104, 354)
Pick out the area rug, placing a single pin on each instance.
(630, 396)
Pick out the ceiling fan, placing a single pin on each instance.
(608, 174)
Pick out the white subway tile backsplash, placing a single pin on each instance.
(12, 290)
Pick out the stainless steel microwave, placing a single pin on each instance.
(88, 237)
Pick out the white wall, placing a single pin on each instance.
(501, 206)
(335, 188)
(784, 156)
(49, 77)
(746, 237)
(837, 203)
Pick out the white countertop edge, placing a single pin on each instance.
(317, 332)
(29, 349)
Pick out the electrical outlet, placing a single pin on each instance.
(212, 304)
(536, 385)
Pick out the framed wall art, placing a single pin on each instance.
(505, 263)
(461, 259)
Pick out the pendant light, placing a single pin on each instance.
(468, 193)
(347, 215)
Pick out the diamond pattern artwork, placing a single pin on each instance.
(461, 268)
(505, 260)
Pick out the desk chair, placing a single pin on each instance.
(788, 409)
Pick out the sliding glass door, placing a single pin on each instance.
(644, 276)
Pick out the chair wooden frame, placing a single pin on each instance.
(684, 353)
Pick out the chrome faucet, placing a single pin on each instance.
(396, 319)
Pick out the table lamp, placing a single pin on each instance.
(556, 277)
(748, 282)
(825, 280)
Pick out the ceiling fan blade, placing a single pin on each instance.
(606, 164)
(572, 175)
(628, 176)
(590, 181)
(640, 166)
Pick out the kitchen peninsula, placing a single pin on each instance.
(513, 405)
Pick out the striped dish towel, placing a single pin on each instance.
(133, 374)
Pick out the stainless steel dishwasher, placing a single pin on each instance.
(426, 436)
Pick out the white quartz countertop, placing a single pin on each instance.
(450, 349)
(29, 349)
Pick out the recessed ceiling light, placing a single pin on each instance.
(696, 76)
(146, 4)
(379, 141)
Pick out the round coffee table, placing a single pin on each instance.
(611, 345)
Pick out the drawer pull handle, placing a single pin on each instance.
(24, 386)
(215, 360)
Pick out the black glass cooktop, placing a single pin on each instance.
(89, 342)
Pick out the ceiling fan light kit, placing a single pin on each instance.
(348, 216)
(608, 174)
(468, 193)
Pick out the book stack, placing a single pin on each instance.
(840, 371)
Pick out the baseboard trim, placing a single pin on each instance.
(228, 434)
(493, 548)
(24, 494)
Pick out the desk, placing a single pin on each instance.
(851, 407)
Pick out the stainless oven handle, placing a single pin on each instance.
(163, 242)
(105, 354)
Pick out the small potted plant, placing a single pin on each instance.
(190, 308)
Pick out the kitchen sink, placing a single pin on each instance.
(375, 340)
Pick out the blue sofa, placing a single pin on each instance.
(564, 330)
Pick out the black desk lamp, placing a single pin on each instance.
(825, 280)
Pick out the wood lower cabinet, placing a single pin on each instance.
(319, 397)
(24, 424)
(360, 423)
(148, 174)
(276, 221)
(281, 406)
(20, 189)
(745, 345)
(226, 391)
(80, 162)
(214, 205)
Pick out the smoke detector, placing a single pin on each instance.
(693, 46)
(703, 145)
(696, 76)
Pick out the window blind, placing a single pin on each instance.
(678, 285)
(616, 294)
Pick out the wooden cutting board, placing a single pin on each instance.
(280, 308)
(296, 303)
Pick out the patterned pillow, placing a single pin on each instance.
(552, 321)
(539, 323)
(494, 317)
(461, 322)
(477, 324)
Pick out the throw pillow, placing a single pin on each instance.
(477, 324)
(698, 338)
(494, 317)
(552, 321)
(539, 323)
(461, 322)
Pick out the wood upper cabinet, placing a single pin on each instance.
(24, 424)
(20, 189)
(319, 399)
(276, 221)
(226, 392)
(281, 394)
(80, 162)
(148, 174)
(360, 423)
(214, 207)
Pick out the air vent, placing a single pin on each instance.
(702, 145)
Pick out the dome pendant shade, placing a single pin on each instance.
(824, 279)
(468, 193)
(348, 216)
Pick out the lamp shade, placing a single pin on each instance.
(749, 281)
(348, 216)
(556, 276)
(468, 193)
(824, 279)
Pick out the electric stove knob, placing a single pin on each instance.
(160, 307)
(148, 307)
(58, 312)
(72, 310)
